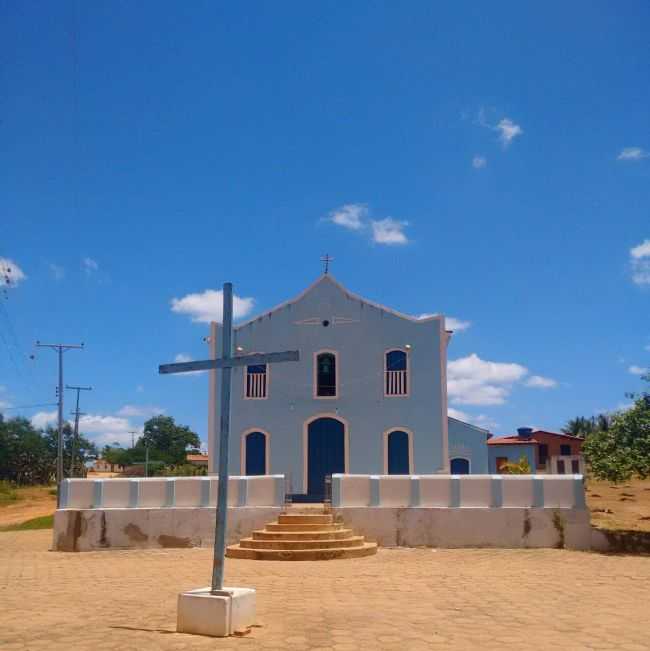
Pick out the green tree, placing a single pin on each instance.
(83, 448)
(623, 450)
(25, 457)
(521, 467)
(167, 441)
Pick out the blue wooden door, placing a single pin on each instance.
(459, 466)
(325, 454)
(255, 453)
(398, 453)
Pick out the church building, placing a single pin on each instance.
(368, 396)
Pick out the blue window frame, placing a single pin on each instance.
(256, 453)
(459, 466)
(398, 453)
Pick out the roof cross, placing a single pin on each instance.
(326, 259)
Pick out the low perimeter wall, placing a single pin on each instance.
(459, 491)
(465, 510)
(166, 492)
(84, 530)
(160, 512)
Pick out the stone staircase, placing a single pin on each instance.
(302, 537)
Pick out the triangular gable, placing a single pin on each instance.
(329, 278)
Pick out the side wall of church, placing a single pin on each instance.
(469, 442)
(359, 334)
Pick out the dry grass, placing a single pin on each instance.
(624, 506)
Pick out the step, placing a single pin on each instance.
(338, 534)
(236, 551)
(252, 543)
(275, 526)
(303, 518)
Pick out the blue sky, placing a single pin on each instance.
(488, 163)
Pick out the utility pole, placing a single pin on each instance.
(133, 432)
(76, 413)
(60, 348)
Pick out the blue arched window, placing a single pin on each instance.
(396, 380)
(459, 466)
(255, 453)
(326, 375)
(398, 453)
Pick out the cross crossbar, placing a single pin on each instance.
(230, 362)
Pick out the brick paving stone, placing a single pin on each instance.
(397, 600)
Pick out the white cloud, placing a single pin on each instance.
(474, 381)
(100, 429)
(540, 382)
(43, 418)
(351, 215)
(480, 421)
(479, 162)
(11, 275)
(451, 323)
(637, 370)
(640, 250)
(508, 131)
(456, 324)
(633, 153)
(389, 231)
(89, 265)
(640, 263)
(458, 414)
(5, 404)
(140, 411)
(506, 128)
(208, 306)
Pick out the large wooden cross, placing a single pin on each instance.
(226, 362)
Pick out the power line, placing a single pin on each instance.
(42, 404)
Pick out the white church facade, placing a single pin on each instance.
(368, 396)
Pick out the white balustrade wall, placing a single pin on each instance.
(167, 492)
(459, 491)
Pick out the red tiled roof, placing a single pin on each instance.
(514, 439)
(197, 457)
(511, 440)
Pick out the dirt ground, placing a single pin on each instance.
(620, 506)
(415, 599)
(32, 502)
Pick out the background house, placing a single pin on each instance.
(546, 452)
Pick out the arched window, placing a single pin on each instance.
(326, 386)
(255, 453)
(256, 381)
(396, 380)
(459, 466)
(398, 453)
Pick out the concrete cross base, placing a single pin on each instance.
(202, 613)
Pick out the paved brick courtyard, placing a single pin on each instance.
(399, 599)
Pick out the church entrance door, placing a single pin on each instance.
(325, 454)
